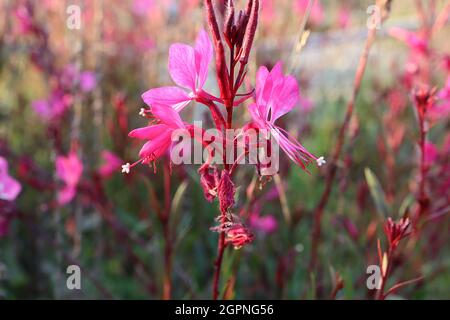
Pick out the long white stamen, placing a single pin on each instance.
(321, 161)
(126, 168)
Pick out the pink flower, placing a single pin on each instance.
(9, 187)
(24, 20)
(441, 109)
(142, 7)
(412, 39)
(266, 224)
(268, 11)
(88, 81)
(317, 12)
(159, 135)
(188, 68)
(69, 170)
(111, 163)
(53, 107)
(343, 17)
(276, 95)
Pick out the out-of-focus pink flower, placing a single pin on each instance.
(265, 224)
(53, 107)
(142, 7)
(88, 81)
(68, 170)
(441, 109)
(413, 40)
(24, 19)
(276, 95)
(306, 105)
(111, 163)
(317, 12)
(188, 68)
(188, 5)
(431, 153)
(159, 135)
(343, 17)
(9, 187)
(267, 11)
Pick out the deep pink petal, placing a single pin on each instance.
(111, 164)
(172, 96)
(9, 188)
(69, 168)
(148, 133)
(285, 98)
(149, 148)
(168, 116)
(66, 194)
(182, 65)
(261, 77)
(257, 117)
(294, 150)
(203, 57)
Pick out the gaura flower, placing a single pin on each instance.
(54, 107)
(9, 187)
(111, 163)
(276, 95)
(159, 135)
(266, 224)
(68, 169)
(188, 68)
(416, 42)
(317, 11)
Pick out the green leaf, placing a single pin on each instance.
(377, 193)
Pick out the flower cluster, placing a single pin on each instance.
(275, 95)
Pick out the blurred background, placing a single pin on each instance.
(70, 91)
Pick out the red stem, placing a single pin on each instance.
(331, 175)
(167, 283)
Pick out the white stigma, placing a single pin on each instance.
(126, 168)
(321, 161)
(142, 112)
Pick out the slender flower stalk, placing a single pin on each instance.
(423, 100)
(333, 168)
(395, 232)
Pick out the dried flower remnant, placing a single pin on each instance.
(225, 191)
(238, 235)
(209, 181)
